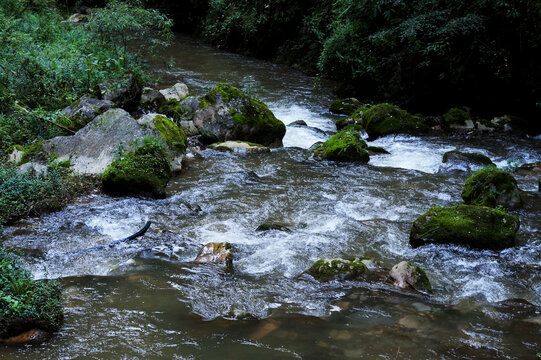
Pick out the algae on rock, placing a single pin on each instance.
(346, 145)
(476, 226)
(492, 187)
(145, 170)
(330, 269)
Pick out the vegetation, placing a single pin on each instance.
(328, 269)
(26, 304)
(423, 55)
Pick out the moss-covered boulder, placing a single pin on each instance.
(145, 170)
(216, 253)
(338, 269)
(386, 119)
(345, 106)
(456, 117)
(26, 304)
(475, 226)
(467, 158)
(168, 130)
(346, 145)
(492, 187)
(407, 276)
(226, 113)
(239, 146)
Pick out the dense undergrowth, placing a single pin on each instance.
(427, 56)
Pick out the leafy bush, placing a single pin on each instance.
(26, 304)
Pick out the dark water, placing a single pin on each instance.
(146, 299)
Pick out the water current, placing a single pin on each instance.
(147, 300)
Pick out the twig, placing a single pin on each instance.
(50, 121)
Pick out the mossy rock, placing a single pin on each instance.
(145, 171)
(26, 304)
(346, 145)
(466, 157)
(176, 110)
(455, 116)
(479, 227)
(492, 187)
(338, 269)
(385, 119)
(407, 276)
(226, 113)
(355, 118)
(170, 132)
(33, 152)
(345, 106)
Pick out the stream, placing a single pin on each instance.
(146, 299)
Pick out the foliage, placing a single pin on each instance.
(26, 304)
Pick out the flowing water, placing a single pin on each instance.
(147, 300)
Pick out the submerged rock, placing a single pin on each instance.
(346, 145)
(376, 150)
(226, 113)
(337, 269)
(267, 226)
(298, 123)
(406, 275)
(145, 170)
(476, 226)
(384, 119)
(492, 187)
(216, 253)
(84, 110)
(30, 336)
(239, 146)
(345, 106)
(456, 156)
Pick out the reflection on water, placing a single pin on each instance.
(145, 299)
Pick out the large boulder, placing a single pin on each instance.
(84, 110)
(151, 99)
(226, 113)
(346, 145)
(168, 130)
(216, 253)
(125, 93)
(144, 170)
(407, 276)
(385, 119)
(182, 112)
(492, 187)
(345, 106)
(93, 148)
(338, 269)
(475, 226)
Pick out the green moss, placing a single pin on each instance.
(346, 145)
(355, 118)
(175, 109)
(384, 119)
(328, 269)
(226, 91)
(490, 186)
(455, 116)
(145, 170)
(345, 106)
(32, 152)
(477, 226)
(26, 304)
(423, 282)
(170, 132)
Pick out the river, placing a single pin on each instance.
(147, 300)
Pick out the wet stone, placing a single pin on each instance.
(216, 253)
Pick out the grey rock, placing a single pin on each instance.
(151, 99)
(177, 92)
(82, 111)
(124, 93)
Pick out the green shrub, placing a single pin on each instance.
(26, 304)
